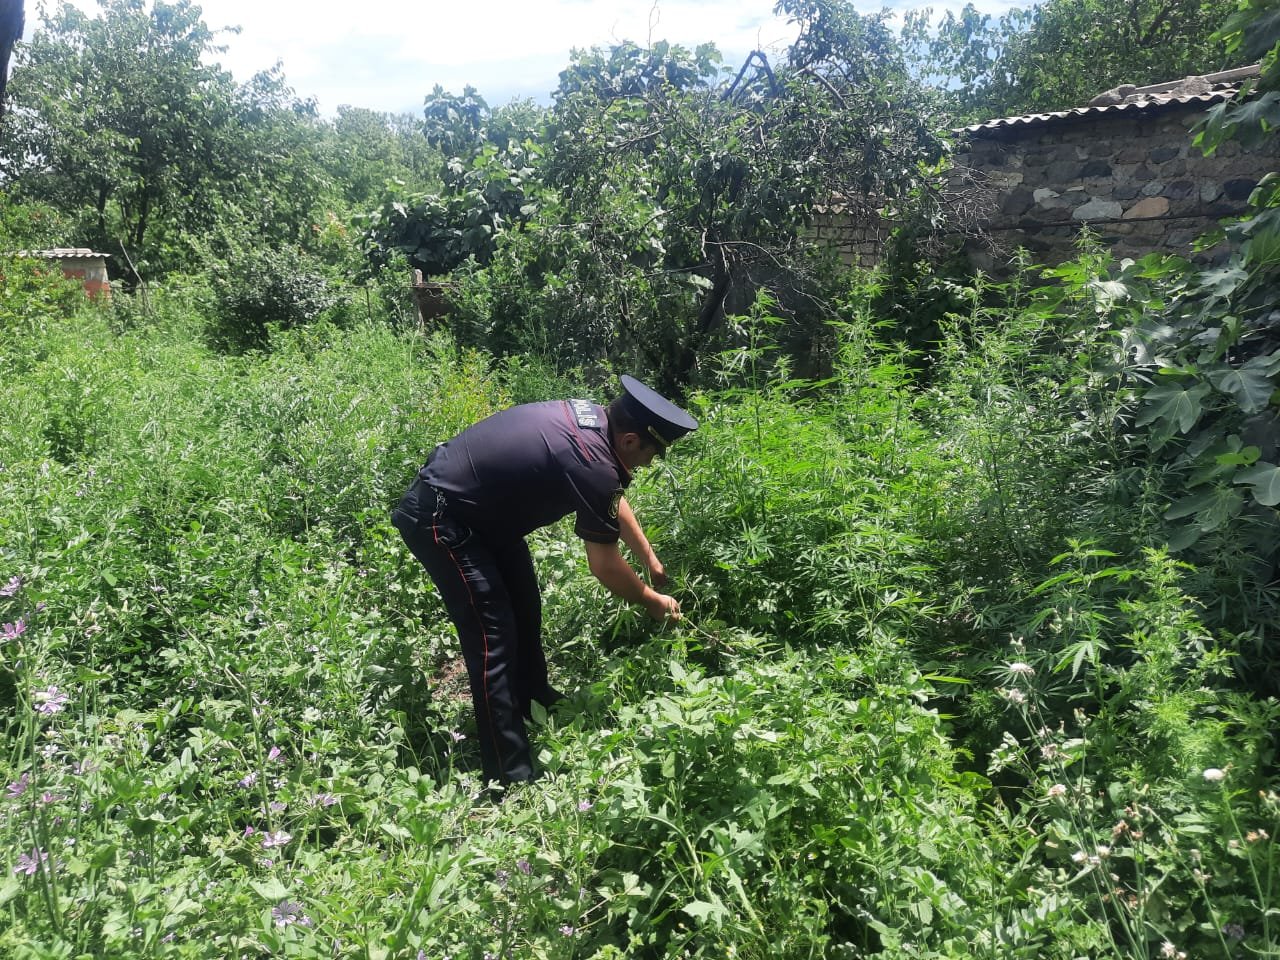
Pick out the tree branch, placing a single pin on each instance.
(809, 71)
(764, 65)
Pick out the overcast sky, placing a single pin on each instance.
(388, 54)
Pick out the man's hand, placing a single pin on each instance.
(662, 607)
(609, 568)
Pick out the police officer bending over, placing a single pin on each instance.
(477, 497)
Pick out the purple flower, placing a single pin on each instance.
(50, 701)
(584, 806)
(323, 800)
(273, 754)
(248, 780)
(277, 839)
(30, 863)
(523, 866)
(18, 787)
(288, 912)
(1233, 931)
(12, 587)
(248, 830)
(567, 931)
(457, 736)
(47, 798)
(12, 631)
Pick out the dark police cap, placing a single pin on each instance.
(662, 419)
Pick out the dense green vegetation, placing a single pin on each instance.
(979, 654)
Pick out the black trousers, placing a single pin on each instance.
(490, 591)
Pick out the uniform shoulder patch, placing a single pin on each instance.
(613, 504)
(585, 411)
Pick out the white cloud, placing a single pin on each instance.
(388, 54)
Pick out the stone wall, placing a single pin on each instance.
(1133, 177)
(858, 240)
(1131, 174)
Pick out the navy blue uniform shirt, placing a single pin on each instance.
(528, 466)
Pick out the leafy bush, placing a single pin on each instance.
(265, 287)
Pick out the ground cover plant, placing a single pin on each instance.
(978, 654)
(933, 697)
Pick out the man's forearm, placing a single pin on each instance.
(632, 535)
(608, 566)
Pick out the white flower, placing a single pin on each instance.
(1213, 775)
(1079, 857)
(1021, 669)
(1057, 790)
(1167, 949)
(1014, 695)
(277, 839)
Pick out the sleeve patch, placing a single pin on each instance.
(613, 504)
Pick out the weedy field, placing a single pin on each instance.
(941, 689)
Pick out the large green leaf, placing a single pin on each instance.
(1263, 246)
(1223, 281)
(1264, 479)
(1174, 405)
(1211, 508)
(1251, 388)
(1193, 504)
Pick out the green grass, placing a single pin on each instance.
(852, 747)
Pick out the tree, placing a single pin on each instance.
(365, 150)
(485, 169)
(719, 177)
(1061, 53)
(120, 120)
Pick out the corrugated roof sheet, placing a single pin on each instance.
(1205, 90)
(61, 253)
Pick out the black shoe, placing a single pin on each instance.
(548, 700)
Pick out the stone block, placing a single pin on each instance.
(1059, 213)
(1016, 202)
(1245, 166)
(1154, 188)
(1148, 207)
(1131, 155)
(1098, 209)
(1223, 208)
(1063, 171)
(1096, 168)
(1239, 188)
(1163, 154)
(1178, 190)
(1147, 229)
(1210, 190)
(1124, 191)
(1174, 168)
